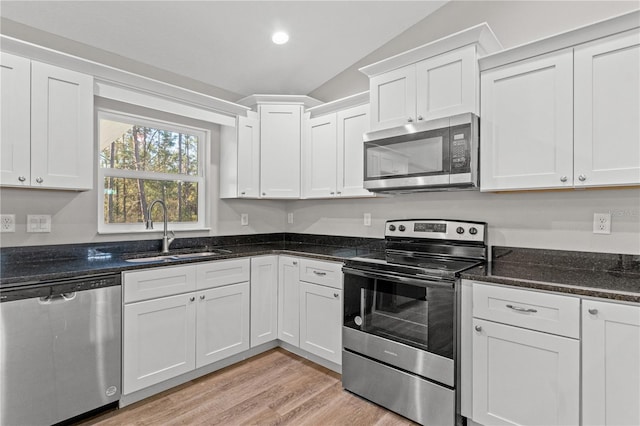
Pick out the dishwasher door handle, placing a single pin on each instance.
(57, 298)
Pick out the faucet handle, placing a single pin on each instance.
(149, 224)
(173, 236)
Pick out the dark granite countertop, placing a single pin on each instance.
(33, 265)
(609, 276)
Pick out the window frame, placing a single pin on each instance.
(204, 141)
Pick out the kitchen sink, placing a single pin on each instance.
(182, 256)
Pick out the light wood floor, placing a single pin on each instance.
(273, 388)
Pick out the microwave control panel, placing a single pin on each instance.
(460, 149)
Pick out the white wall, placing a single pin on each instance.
(538, 219)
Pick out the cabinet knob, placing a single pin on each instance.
(294, 263)
(409, 120)
(22, 178)
(192, 299)
(582, 178)
(339, 192)
(332, 193)
(478, 328)
(264, 194)
(39, 179)
(420, 118)
(593, 311)
(242, 193)
(335, 295)
(202, 297)
(563, 179)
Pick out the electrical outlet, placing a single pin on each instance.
(367, 219)
(244, 219)
(8, 223)
(602, 223)
(289, 218)
(38, 223)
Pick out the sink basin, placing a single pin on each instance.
(170, 257)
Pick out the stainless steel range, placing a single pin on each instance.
(400, 331)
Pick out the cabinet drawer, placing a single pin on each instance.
(319, 272)
(223, 272)
(550, 313)
(158, 282)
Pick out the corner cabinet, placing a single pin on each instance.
(47, 126)
(333, 154)
(436, 80)
(566, 119)
(610, 364)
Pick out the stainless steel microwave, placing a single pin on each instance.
(438, 154)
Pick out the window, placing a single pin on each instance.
(142, 160)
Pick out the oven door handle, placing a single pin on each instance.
(397, 278)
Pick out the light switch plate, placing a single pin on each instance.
(38, 223)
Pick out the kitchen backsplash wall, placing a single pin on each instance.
(553, 219)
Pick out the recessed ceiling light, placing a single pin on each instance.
(280, 37)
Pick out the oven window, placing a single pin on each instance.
(416, 316)
(415, 157)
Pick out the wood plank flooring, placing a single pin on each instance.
(273, 388)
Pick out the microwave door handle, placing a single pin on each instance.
(397, 278)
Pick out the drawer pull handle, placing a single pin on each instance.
(478, 328)
(335, 295)
(202, 297)
(521, 309)
(192, 299)
(593, 311)
(320, 274)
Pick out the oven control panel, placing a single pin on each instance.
(453, 230)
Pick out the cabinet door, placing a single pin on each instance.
(447, 84)
(158, 340)
(319, 157)
(524, 377)
(321, 321)
(61, 128)
(280, 133)
(15, 132)
(248, 157)
(527, 124)
(264, 299)
(607, 111)
(610, 364)
(393, 98)
(352, 124)
(288, 300)
(222, 323)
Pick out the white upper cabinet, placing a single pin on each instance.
(569, 118)
(15, 89)
(607, 111)
(249, 156)
(47, 111)
(527, 124)
(280, 133)
(435, 80)
(333, 153)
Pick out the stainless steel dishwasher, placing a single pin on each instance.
(60, 351)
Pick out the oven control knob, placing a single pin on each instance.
(358, 321)
(473, 231)
(402, 228)
(392, 227)
(460, 230)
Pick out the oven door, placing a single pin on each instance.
(402, 321)
(409, 160)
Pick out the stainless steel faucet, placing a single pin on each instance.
(166, 241)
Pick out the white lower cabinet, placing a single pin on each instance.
(610, 363)
(526, 357)
(175, 330)
(158, 340)
(222, 323)
(524, 377)
(288, 300)
(264, 299)
(321, 321)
